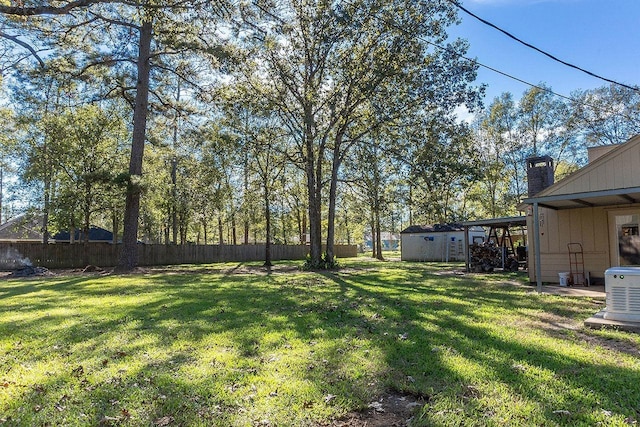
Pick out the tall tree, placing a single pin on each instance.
(90, 160)
(40, 97)
(331, 65)
(541, 116)
(116, 34)
(8, 150)
(606, 115)
(442, 164)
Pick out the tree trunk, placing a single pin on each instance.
(410, 204)
(174, 199)
(86, 225)
(129, 255)
(299, 224)
(234, 236)
(303, 238)
(267, 215)
(246, 191)
(184, 228)
(373, 236)
(114, 225)
(346, 226)
(1, 189)
(314, 187)
(333, 190)
(220, 229)
(205, 223)
(167, 226)
(378, 236)
(46, 208)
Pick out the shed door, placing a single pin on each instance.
(625, 238)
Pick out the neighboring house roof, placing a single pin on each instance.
(22, 227)
(95, 234)
(384, 235)
(611, 179)
(29, 226)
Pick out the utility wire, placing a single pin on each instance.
(392, 23)
(508, 34)
(495, 70)
(395, 25)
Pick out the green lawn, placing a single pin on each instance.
(229, 345)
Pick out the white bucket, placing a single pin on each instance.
(564, 278)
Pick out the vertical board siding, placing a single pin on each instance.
(63, 255)
(588, 226)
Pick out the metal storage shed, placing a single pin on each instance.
(438, 242)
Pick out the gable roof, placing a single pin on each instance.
(95, 234)
(22, 227)
(610, 180)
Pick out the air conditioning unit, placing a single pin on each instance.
(622, 285)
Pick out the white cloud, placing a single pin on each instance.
(463, 114)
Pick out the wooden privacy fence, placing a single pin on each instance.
(63, 255)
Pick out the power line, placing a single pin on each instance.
(392, 23)
(401, 28)
(508, 34)
(495, 70)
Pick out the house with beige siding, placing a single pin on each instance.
(596, 209)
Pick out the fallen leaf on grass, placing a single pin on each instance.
(163, 422)
(108, 421)
(329, 398)
(376, 406)
(518, 367)
(562, 412)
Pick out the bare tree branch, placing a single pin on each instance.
(25, 45)
(49, 10)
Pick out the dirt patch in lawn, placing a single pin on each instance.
(391, 410)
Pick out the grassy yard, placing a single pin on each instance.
(228, 345)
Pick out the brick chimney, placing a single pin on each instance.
(539, 174)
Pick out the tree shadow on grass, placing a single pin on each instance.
(447, 334)
(292, 350)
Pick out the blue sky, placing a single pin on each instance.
(602, 36)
